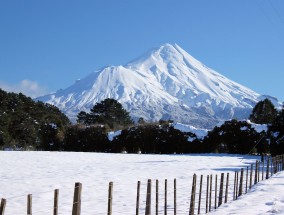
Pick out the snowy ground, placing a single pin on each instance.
(39, 173)
(267, 197)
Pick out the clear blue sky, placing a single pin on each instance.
(47, 45)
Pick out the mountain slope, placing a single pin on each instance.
(165, 83)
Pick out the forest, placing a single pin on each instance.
(26, 124)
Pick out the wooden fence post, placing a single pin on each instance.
(55, 204)
(250, 179)
(29, 204)
(175, 196)
(267, 169)
(235, 178)
(110, 192)
(207, 195)
(77, 199)
(258, 170)
(166, 198)
(157, 197)
(276, 165)
(237, 185)
(280, 163)
(262, 176)
(221, 190)
(2, 206)
(247, 180)
(216, 181)
(227, 188)
(255, 173)
(138, 197)
(272, 163)
(192, 199)
(148, 198)
(241, 182)
(200, 192)
(210, 193)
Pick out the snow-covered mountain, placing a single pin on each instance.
(165, 83)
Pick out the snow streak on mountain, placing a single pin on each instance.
(165, 83)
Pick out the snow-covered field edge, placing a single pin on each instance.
(39, 173)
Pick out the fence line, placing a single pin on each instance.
(207, 192)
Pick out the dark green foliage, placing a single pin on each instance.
(159, 139)
(276, 134)
(263, 113)
(25, 124)
(82, 118)
(235, 137)
(141, 121)
(86, 139)
(108, 112)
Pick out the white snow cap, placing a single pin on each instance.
(164, 83)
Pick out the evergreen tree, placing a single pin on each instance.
(263, 113)
(150, 138)
(22, 120)
(233, 136)
(107, 112)
(83, 118)
(276, 134)
(86, 139)
(141, 121)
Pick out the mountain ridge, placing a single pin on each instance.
(164, 83)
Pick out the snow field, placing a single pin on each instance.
(266, 197)
(39, 173)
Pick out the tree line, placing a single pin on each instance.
(26, 124)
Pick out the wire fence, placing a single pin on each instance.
(205, 193)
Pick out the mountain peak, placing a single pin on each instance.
(165, 55)
(164, 83)
(167, 51)
(168, 47)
